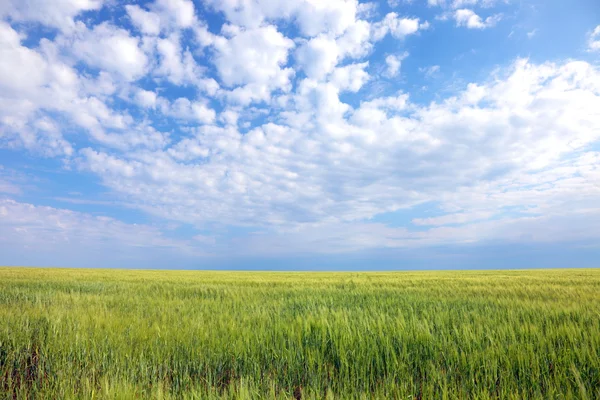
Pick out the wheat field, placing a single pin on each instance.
(122, 334)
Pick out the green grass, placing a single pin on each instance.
(158, 334)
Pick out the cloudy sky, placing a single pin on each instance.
(300, 134)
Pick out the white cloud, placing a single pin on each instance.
(112, 49)
(396, 26)
(463, 3)
(239, 64)
(468, 18)
(29, 81)
(450, 219)
(334, 17)
(8, 183)
(146, 98)
(146, 21)
(48, 85)
(455, 4)
(56, 13)
(169, 15)
(182, 108)
(430, 71)
(313, 17)
(594, 40)
(179, 12)
(308, 161)
(48, 232)
(20, 67)
(350, 77)
(318, 57)
(349, 165)
(229, 117)
(177, 65)
(393, 63)
(355, 42)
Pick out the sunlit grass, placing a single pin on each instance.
(158, 334)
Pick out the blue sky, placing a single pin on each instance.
(304, 135)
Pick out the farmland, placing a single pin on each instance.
(185, 334)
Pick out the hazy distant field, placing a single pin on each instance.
(126, 334)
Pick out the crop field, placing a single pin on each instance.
(418, 335)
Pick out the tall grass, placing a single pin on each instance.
(156, 334)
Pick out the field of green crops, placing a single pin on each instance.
(423, 335)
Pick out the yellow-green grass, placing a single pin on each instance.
(170, 334)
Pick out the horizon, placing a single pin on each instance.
(399, 135)
(277, 271)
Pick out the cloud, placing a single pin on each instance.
(312, 17)
(40, 84)
(318, 57)
(58, 14)
(146, 98)
(430, 71)
(146, 21)
(163, 15)
(45, 232)
(28, 81)
(8, 185)
(277, 175)
(238, 64)
(433, 3)
(393, 63)
(463, 3)
(456, 4)
(176, 65)
(181, 13)
(111, 49)
(398, 27)
(451, 219)
(594, 39)
(182, 108)
(351, 77)
(468, 18)
(279, 122)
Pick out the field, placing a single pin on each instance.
(427, 335)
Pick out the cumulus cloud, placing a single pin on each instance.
(112, 49)
(396, 26)
(318, 57)
(57, 14)
(239, 64)
(277, 174)
(178, 66)
(182, 108)
(181, 13)
(313, 17)
(28, 81)
(146, 21)
(594, 40)
(146, 98)
(393, 63)
(469, 19)
(278, 120)
(350, 77)
(455, 4)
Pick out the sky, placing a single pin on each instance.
(300, 134)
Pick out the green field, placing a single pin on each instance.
(160, 334)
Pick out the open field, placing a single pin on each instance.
(158, 334)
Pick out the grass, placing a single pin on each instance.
(427, 335)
